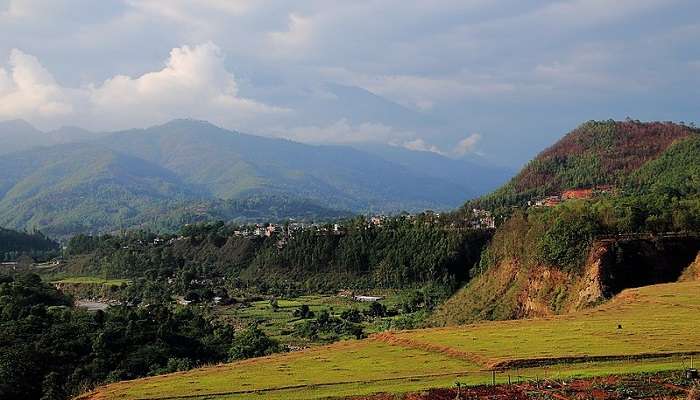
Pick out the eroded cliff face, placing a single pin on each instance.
(510, 291)
(692, 273)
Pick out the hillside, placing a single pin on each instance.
(71, 181)
(309, 260)
(652, 325)
(597, 153)
(82, 188)
(546, 260)
(333, 175)
(14, 244)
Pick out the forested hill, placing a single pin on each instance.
(14, 244)
(596, 153)
(72, 181)
(548, 257)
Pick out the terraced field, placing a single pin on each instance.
(643, 330)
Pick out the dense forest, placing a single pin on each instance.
(51, 350)
(403, 251)
(14, 244)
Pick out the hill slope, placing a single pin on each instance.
(595, 153)
(186, 170)
(656, 330)
(82, 188)
(547, 260)
(13, 244)
(334, 175)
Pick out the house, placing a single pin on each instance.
(550, 201)
(376, 221)
(482, 219)
(270, 230)
(367, 298)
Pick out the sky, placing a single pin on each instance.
(497, 80)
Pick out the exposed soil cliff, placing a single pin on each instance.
(692, 273)
(509, 290)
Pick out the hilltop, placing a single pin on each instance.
(595, 154)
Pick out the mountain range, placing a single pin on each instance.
(71, 180)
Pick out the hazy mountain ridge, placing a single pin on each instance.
(102, 182)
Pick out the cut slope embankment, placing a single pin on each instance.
(511, 289)
(641, 330)
(692, 273)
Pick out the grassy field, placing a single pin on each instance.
(93, 281)
(659, 322)
(280, 323)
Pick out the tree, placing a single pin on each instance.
(252, 342)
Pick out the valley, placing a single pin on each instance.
(575, 271)
(644, 330)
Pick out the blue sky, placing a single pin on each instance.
(475, 78)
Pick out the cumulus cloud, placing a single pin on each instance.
(29, 91)
(193, 83)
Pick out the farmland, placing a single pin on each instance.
(280, 322)
(649, 329)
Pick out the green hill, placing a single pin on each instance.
(594, 154)
(548, 260)
(186, 171)
(82, 188)
(335, 176)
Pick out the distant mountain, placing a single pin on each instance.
(71, 180)
(463, 173)
(233, 165)
(17, 135)
(82, 187)
(596, 153)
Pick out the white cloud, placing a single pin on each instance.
(343, 132)
(193, 83)
(422, 145)
(467, 145)
(295, 40)
(29, 91)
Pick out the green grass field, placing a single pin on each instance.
(93, 281)
(660, 322)
(279, 324)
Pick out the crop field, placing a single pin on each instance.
(650, 329)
